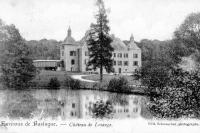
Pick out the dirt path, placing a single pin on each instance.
(79, 77)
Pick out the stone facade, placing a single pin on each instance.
(75, 55)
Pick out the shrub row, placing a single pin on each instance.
(69, 82)
(114, 85)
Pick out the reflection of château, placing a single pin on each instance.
(75, 55)
(78, 104)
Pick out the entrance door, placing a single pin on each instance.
(120, 70)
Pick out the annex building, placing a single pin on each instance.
(75, 54)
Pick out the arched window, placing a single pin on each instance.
(72, 61)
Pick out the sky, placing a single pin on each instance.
(50, 19)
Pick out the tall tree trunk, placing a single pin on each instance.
(101, 73)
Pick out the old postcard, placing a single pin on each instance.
(99, 66)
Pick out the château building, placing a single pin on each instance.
(75, 54)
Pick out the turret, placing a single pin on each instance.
(69, 34)
(131, 38)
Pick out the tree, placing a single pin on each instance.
(16, 65)
(72, 83)
(54, 83)
(44, 49)
(188, 33)
(180, 96)
(99, 42)
(119, 85)
(168, 52)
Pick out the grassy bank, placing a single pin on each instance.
(107, 78)
(42, 79)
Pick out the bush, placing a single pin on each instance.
(179, 98)
(119, 85)
(54, 83)
(72, 83)
(100, 86)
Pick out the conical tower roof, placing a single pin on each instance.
(69, 39)
(132, 44)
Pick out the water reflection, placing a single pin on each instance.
(66, 104)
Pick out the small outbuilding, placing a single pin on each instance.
(47, 64)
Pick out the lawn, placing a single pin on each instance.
(107, 78)
(44, 76)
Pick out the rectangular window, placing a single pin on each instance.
(62, 53)
(135, 63)
(86, 61)
(72, 62)
(135, 55)
(114, 63)
(125, 63)
(63, 47)
(72, 114)
(126, 110)
(135, 110)
(125, 55)
(119, 55)
(114, 54)
(72, 53)
(119, 63)
(73, 105)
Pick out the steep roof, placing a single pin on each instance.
(117, 44)
(69, 40)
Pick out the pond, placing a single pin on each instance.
(67, 104)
